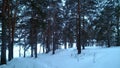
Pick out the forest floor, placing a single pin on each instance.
(91, 57)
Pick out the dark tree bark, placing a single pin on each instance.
(54, 28)
(48, 38)
(11, 28)
(108, 39)
(83, 35)
(53, 52)
(9, 32)
(4, 28)
(35, 40)
(24, 52)
(118, 22)
(3, 47)
(65, 42)
(32, 50)
(78, 25)
(118, 32)
(108, 34)
(54, 38)
(33, 37)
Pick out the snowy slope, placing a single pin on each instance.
(91, 57)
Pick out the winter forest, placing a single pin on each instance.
(59, 33)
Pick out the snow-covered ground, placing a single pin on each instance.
(91, 57)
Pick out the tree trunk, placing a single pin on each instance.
(54, 29)
(35, 41)
(24, 52)
(48, 38)
(19, 50)
(9, 22)
(33, 37)
(78, 40)
(83, 35)
(35, 50)
(118, 30)
(4, 28)
(31, 50)
(3, 47)
(11, 27)
(54, 46)
(108, 34)
(65, 41)
(54, 43)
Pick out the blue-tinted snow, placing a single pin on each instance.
(91, 57)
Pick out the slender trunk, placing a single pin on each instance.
(54, 44)
(35, 50)
(47, 45)
(65, 43)
(83, 35)
(31, 37)
(118, 31)
(35, 41)
(48, 36)
(54, 38)
(9, 32)
(108, 39)
(25, 45)
(20, 51)
(47, 40)
(31, 50)
(43, 49)
(24, 52)
(108, 43)
(78, 29)
(54, 30)
(108, 35)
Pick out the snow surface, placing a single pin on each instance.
(91, 57)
